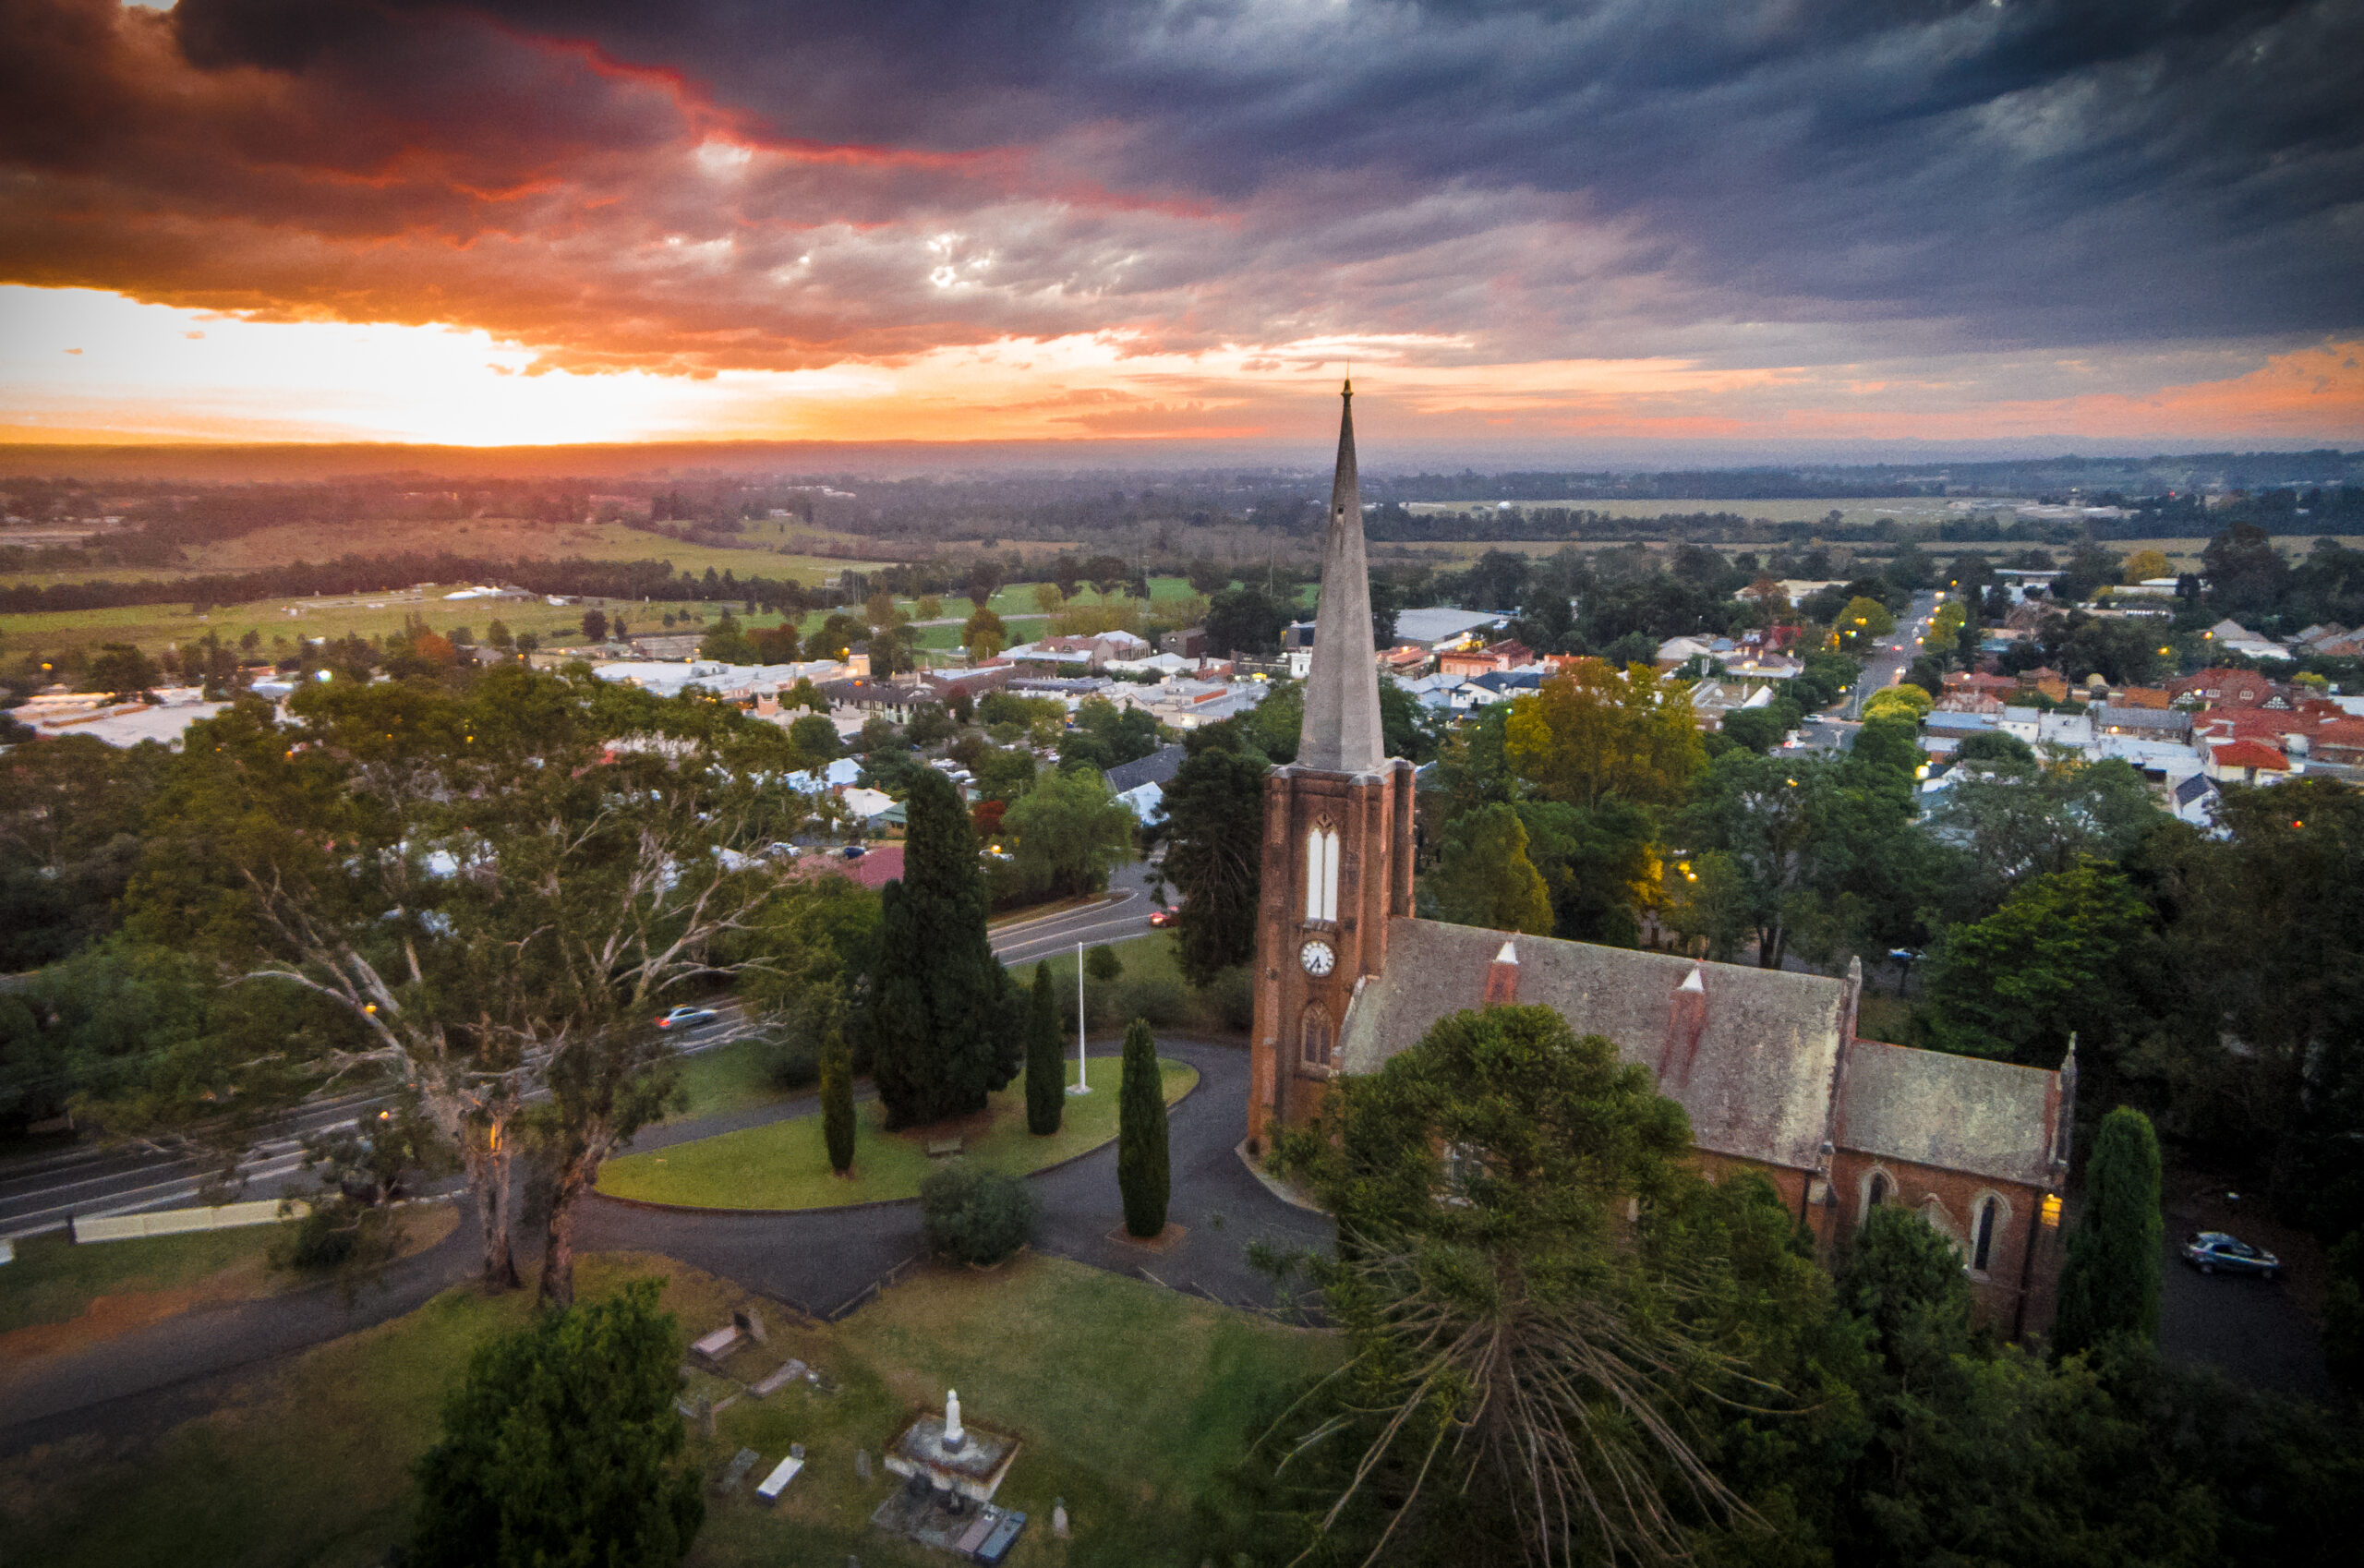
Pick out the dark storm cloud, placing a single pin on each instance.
(1626, 178)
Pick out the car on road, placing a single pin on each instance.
(854, 852)
(2210, 1250)
(1164, 915)
(687, 1015)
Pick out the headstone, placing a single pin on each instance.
(750, 1323)
(1059, 1517)
(705, 1417)
(796, 1451)
(953, 1436)
(746, 1460)
(861, 1464)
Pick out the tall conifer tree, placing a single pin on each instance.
(1144, 1175)
(2110, 1284)
(944, 1028)
(1045, 1095)
(836, 1101)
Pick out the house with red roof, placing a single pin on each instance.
(2246, 762)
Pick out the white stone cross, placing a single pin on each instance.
(953, 1435)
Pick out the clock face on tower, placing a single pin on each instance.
(1317, 958)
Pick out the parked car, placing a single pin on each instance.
(2210, 1250)
(854, 852)
(687, 1015)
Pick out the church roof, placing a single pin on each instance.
(1966, 1114)
(1756, 1072)
(1340, 731)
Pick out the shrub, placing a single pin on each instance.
(976, 1216)
(1232, 994)
(1102, 964)
(1163, 1002)
(792, 1059)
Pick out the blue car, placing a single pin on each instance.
(2210, 1250)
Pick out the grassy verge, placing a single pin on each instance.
(729, 1078)
(784, 1165)
(309, 1463)
(55, 1281)
(1151, 986)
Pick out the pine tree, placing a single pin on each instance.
(1144, 1174)
(1045, 1095)
(836, 1101)
(944, 1025)
(2110, 1284)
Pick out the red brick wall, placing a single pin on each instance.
(2015, 1292)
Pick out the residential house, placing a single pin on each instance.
(2220, 687)
(1140, 784)
(2246, 762)
(2145, 723)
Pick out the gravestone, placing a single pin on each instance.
(746, 1460)
(751, 1323)
(1059, 1517)
(861, 1464)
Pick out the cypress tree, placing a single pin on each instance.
(943, 1024)
(1144, 1174)
(836, 1101)
(1045, 1095)
(2110, 1284)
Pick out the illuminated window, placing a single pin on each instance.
(1315, 1037)
(1321, 873)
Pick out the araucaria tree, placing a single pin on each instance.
(2109, 1286)
(562, 1446)
(1518, 1340)
(944, 1028)
(1144, 1172)
(1214, 830)
(1045, 1095)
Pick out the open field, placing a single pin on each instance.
(153, 627)
(1128, 1401)
(2183, 553)
(783, 1164)
(1904, 508)
(773, 550)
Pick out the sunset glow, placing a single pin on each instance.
(498, 224)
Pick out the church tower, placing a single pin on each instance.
(1337, 848)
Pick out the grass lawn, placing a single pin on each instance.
(56, 1282)
(729, 1078)
(784, 1165)
(309, 1463)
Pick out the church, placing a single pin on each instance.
(1766, 1062)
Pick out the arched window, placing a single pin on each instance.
(1321, 873)
(1876, 1192)
(1315, 1037)
(1990, 1219)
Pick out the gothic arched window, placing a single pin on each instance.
(1316, 1038)
(1877, 1193)
(1990, 1219)
(1321, 873)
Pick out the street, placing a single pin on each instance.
(45, 1193)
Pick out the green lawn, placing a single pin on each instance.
(54, 1279)
(784, 1165)
(308, 1463)
(729, 1078)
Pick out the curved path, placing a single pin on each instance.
(817, 1260)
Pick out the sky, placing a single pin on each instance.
(1631, 226)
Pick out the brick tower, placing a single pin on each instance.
(1337, 850)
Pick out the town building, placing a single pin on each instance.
(1766, 1062)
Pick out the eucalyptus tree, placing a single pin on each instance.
(498, 887)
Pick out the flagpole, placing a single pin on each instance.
(1079, 1086)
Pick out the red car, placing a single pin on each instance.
(1163, 917)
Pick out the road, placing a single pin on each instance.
(145, 1380)
(47, 1192)
(1834, 730)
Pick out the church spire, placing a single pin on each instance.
(1341, 732)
